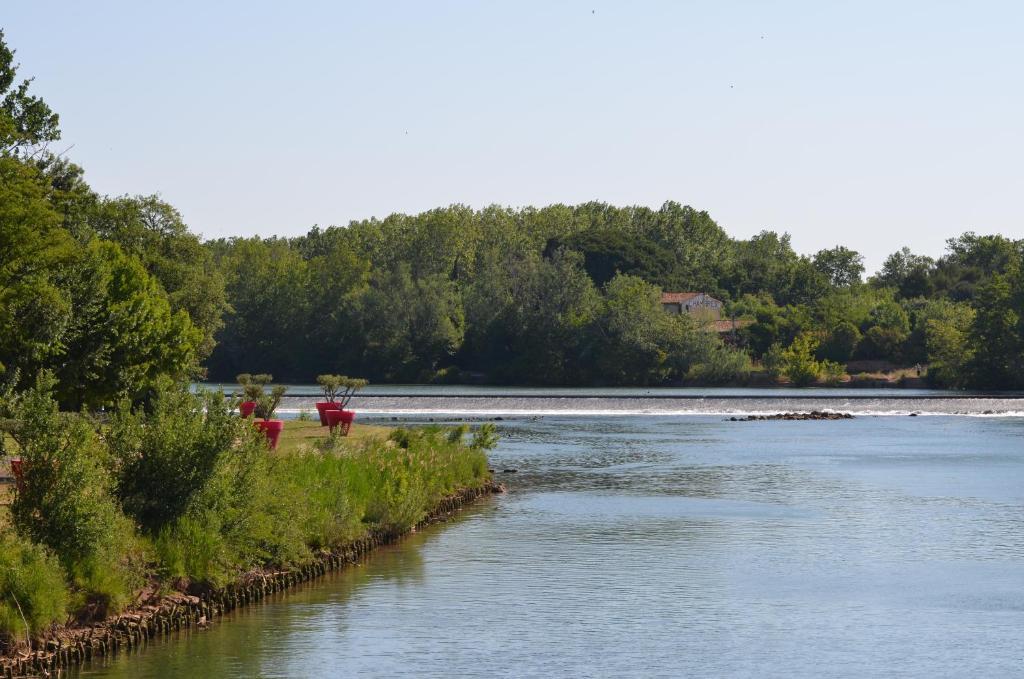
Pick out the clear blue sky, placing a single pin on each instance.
(872, 124)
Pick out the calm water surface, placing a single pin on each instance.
(653, 545)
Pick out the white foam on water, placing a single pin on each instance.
(579, 412)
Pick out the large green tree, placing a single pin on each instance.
(153, 231)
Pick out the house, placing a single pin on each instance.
(706, 310)
(698, 304)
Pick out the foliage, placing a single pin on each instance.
(254, 388)
(841, 265)
(340, 387)
(832, 372)
(123, 336)
(154, 232)
(996, 333)
(946, 343)
(32, 591)
(798, 363)
(26, 122)
(66, 503)
(840, 342)
(167, 455)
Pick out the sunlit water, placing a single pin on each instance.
(655, 545)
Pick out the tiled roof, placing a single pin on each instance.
(677, 297)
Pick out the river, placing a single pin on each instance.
(670, 542)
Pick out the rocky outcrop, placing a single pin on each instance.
(72, 645)
(813, 415)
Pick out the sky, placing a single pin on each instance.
(868, 124)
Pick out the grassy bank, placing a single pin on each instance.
(186, 496)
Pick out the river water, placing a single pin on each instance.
(659, 543)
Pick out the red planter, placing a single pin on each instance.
(322, 407)
(18, 469)
(272, 430)
(246, 408)
(340, 417)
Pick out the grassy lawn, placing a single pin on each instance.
(298, 434)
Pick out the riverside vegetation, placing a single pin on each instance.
(184, 495)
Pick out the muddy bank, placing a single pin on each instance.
(71, 645)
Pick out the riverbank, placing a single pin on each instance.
(71, 645)
(185, 499)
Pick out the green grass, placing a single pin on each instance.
(301, 435)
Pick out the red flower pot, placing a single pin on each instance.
(340, 417)
(18, 469)
(246, 408)
(322, 407)
(272, 430)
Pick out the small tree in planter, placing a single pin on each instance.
(262, 403)
(252, 390)
(338, 391)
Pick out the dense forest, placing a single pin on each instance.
(111, 294)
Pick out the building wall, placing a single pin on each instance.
(701, 305)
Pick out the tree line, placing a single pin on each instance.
(111, 294)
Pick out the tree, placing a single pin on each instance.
(636, 342)
(798, 360)
(842, 266)
(123, 336)
(946, 344)
(26, 122)
(908, 273)
(34, 308)
(153, 231)
(840, 342)
(410, 327)
(607, 252)
(269, 290)
(996, 335)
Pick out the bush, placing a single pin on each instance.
(32, 590)
(239, 519)
(798, 361)
(840, 343)
(832, 372)
(165, 458)
(774, 361)
(722, 365)
(66, 503)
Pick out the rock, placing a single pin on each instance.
(813, 415)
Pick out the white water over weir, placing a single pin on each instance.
(489, 402)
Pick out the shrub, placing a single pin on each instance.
(798, 360)
(163, 459)
(66, 503)
(32, 590)
(240, 518)
(774, 360)
(832, 372)
(840, 343)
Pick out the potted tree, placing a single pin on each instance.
(338, 391)
(266, 404)
(330, 385)
(348, 388)
(252, 389)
